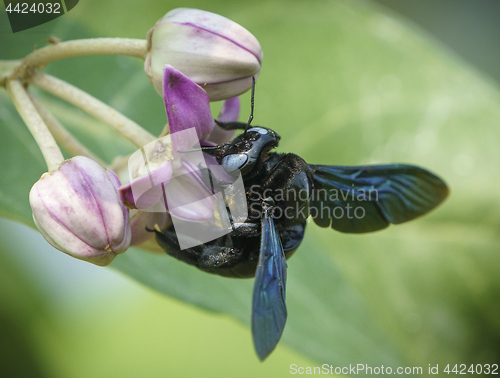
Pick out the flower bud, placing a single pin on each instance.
(213, 51)
(77, 210)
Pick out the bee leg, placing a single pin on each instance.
(246, 229)
(231, 125)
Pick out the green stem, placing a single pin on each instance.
(7, 67)
(82, 47)
(43, 137)
(63, 137)
(22, 69)
(123, 125)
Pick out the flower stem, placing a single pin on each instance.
(61, 135)
(43, 137)
(81, 47)
(165, 131)
(6, 68)
(123, 125)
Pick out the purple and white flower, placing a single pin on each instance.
(78, 211)
(216, 53)
(179, 177)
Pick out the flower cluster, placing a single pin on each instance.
(193, 57)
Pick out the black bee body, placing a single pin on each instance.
(284, 178)
(287, 179)
(282, 191)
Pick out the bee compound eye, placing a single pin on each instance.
(234, 161)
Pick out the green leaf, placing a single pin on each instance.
(343, 83)
(22, 314)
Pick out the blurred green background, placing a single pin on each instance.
(343, 82)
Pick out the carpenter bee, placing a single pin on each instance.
(282, 191)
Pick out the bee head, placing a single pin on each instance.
(244, 151)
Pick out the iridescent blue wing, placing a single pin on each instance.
(369, 198)
(268, 307)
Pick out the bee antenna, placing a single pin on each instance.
(251, 105)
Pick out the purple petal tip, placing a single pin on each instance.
(186, 104)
